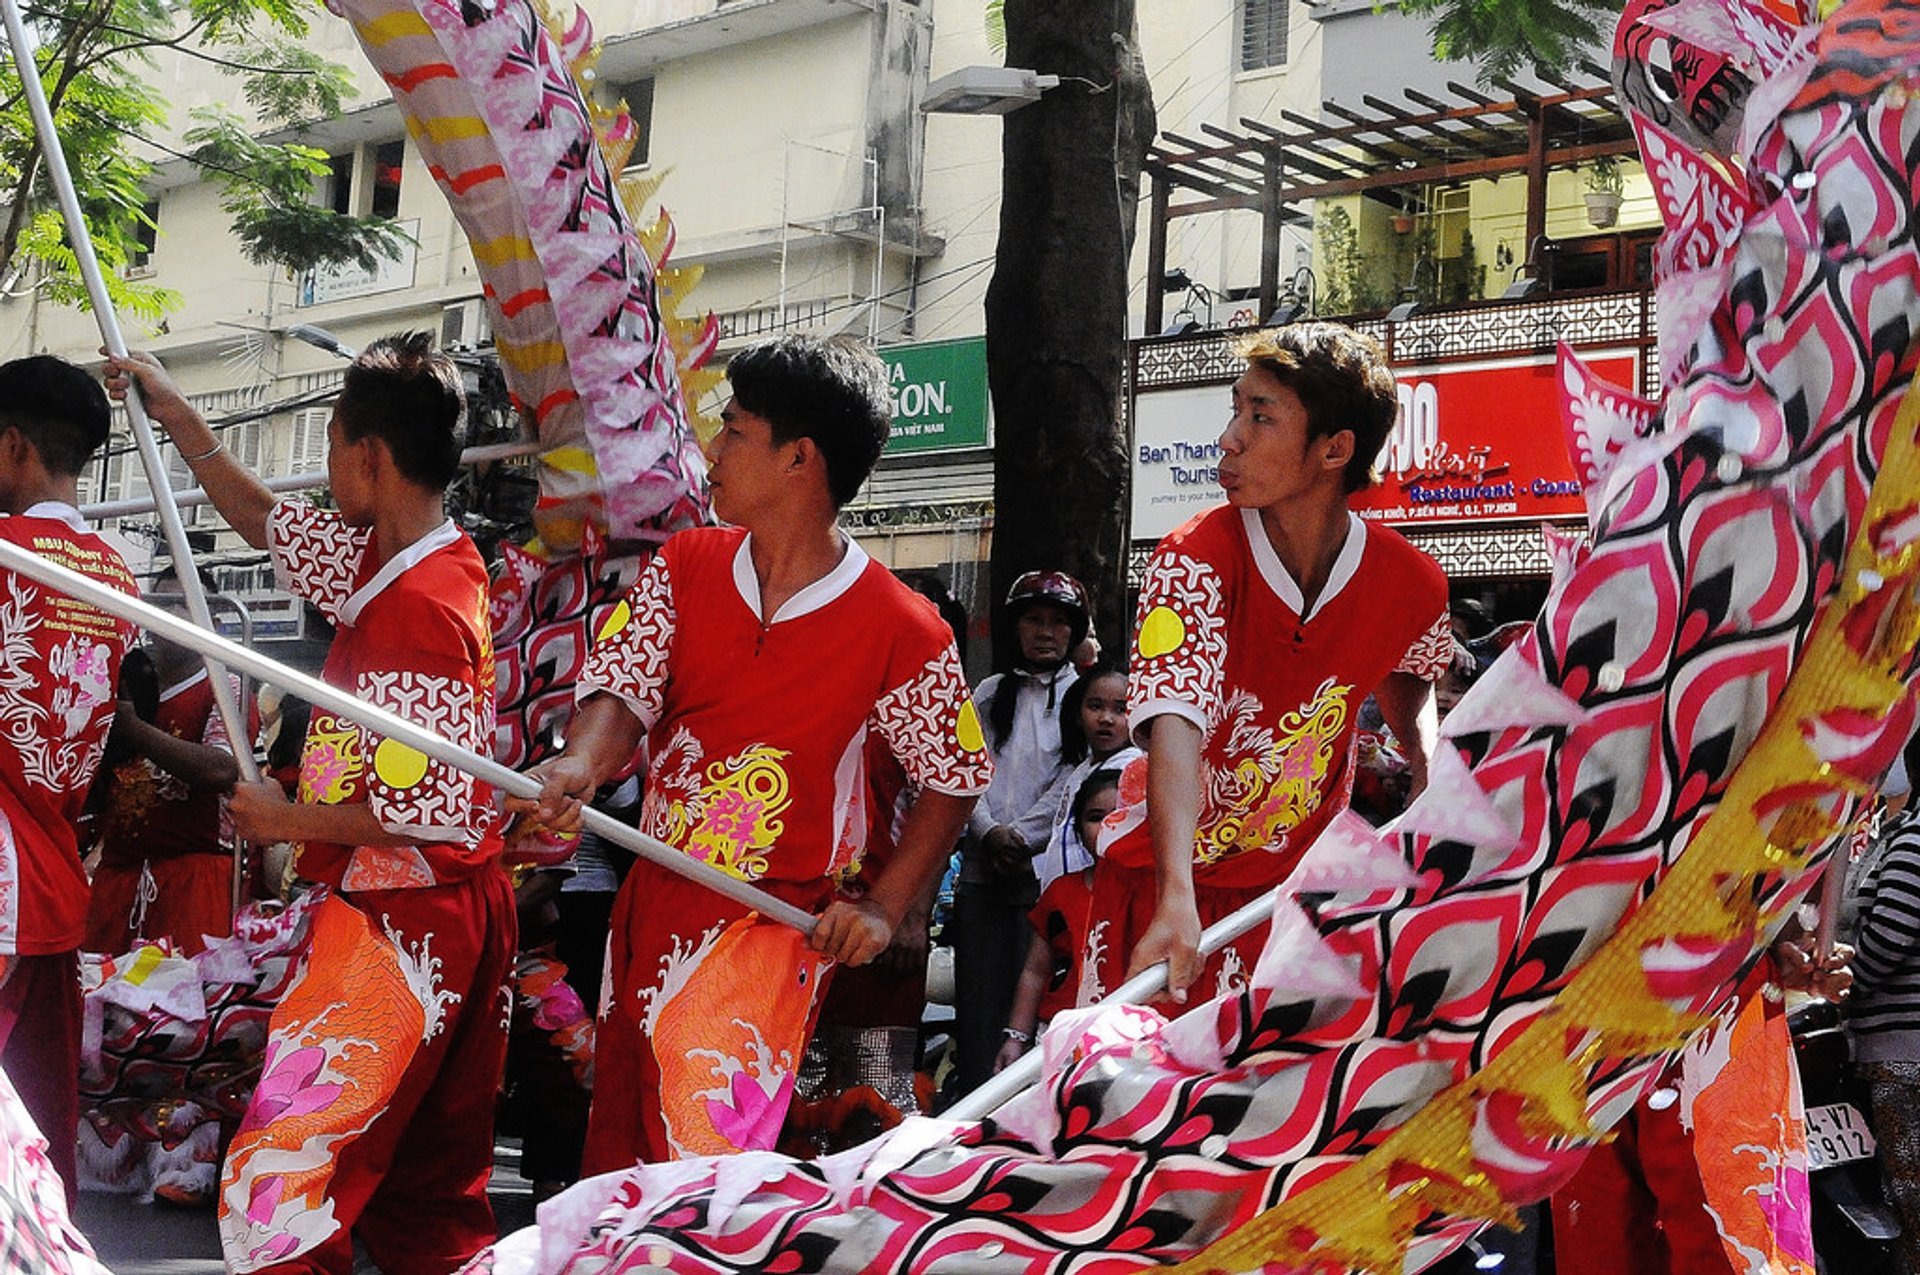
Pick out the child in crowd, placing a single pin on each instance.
(1051, 980)
(1093, 736)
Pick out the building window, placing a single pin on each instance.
(336, 187)
(309, 450)
(638, 95)
(388, 159)
(146, 237)
(1263, 34)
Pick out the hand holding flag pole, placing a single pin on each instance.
(1025, 1071)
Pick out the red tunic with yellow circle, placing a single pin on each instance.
(1274, 686)
(756, 735)
(411, 637)
(1225, 641)
(755, 728)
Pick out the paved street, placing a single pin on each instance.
(142, 1239)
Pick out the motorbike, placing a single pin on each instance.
(1855, 1231)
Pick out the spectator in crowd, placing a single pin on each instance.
(1050, 980)
(997, 887)
(1093, 736)
(1885, 1014)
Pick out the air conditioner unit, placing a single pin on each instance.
(466, 325)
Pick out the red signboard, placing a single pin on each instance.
(1482, 441)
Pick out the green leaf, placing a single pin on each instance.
(1504, 37)
(96, 59)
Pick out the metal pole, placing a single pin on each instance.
(378, 720)
(89, 264)
(1018, 1078)
(238, 885)
(307, 480)
(1833, 896)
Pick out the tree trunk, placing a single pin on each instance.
(1056, 310)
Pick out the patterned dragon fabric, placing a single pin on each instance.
(1451, 1012)
(172, 1044)
(586, 321)
(37, 1237)
(582, 318)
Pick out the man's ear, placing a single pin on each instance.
(806, 452)
(1336, 449)
(377, 456)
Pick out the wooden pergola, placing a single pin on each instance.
(1382, 152)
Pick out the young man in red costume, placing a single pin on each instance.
(166, 850)
(1263, 624)
(374, 1112)
(755, 661)
(59, 669)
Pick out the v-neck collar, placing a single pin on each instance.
(182, 687)
(853, 562)
(392, 569)
(1281, 581)
(58, 511)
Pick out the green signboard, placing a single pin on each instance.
(939, 392)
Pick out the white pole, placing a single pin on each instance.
(381, 722)
(1019, 1077)
(176, 531)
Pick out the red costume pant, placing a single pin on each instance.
(409, 1176)
(1122, 908)
(193, 897)
(1636, 1206)
(659, 922)
(40, 1048)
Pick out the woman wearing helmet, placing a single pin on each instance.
(997, 887)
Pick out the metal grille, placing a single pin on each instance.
(1263, 34)
(1475, 331)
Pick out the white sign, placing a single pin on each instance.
(338, 282)
(1176, 452)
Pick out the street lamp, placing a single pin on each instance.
(321, 339)
(985, 90)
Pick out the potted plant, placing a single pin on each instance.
(1605, 184)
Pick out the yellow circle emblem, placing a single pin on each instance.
(616, 620)
(398, 765)
(967, 729)
(1161, 633)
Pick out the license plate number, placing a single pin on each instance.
(1837, 1134)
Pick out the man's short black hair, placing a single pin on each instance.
(406, 393)
(57, 407)
(833, 392)
(1342, 380)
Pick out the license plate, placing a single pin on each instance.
(1835, 1135)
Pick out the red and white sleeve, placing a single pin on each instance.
(1179, 643)
(629, 656)
(315, 554)
(411, 794)
(1432, 652)
(929, 723)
